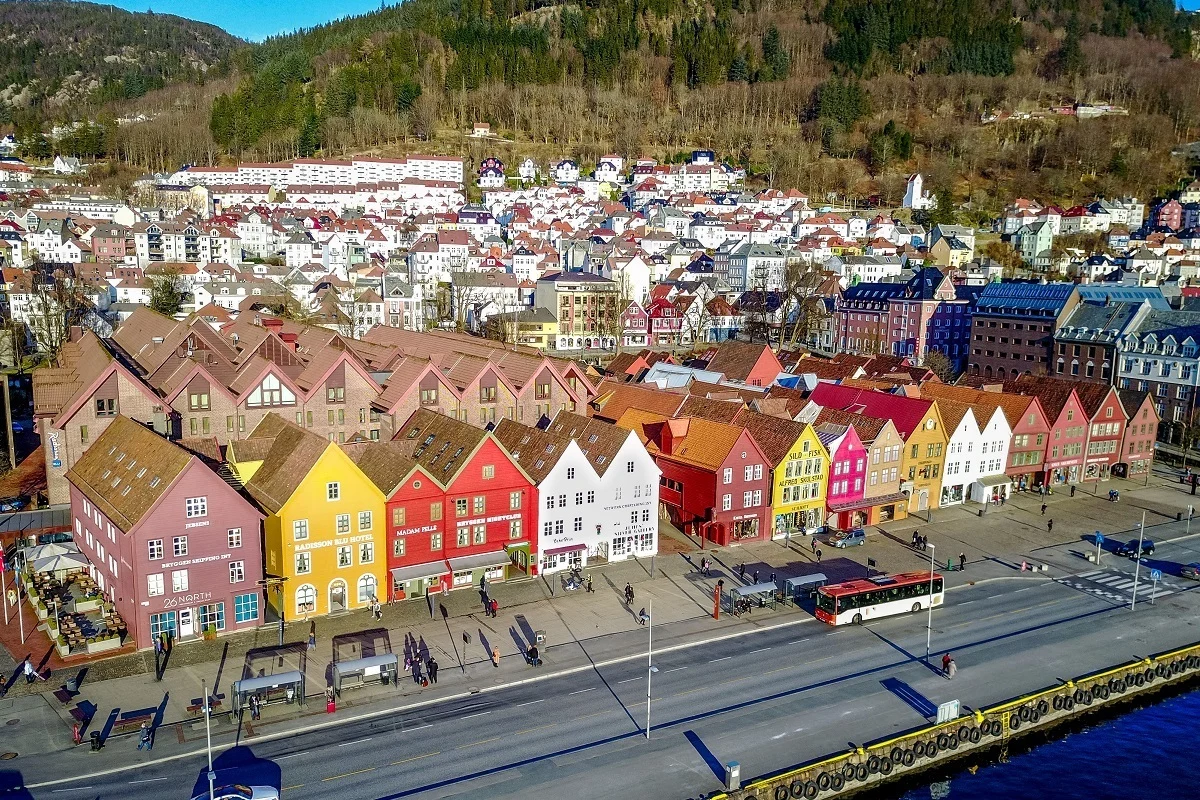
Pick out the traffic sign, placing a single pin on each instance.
(1156, 574)
(1099, 537)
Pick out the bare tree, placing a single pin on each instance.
(804, 308)
(937, 363)
(56, 303)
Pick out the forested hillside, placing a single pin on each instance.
(833, 96)
(57, 55)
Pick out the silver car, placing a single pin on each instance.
(237, 791)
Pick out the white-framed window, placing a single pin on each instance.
(344, 556)
(749, 473)
(179, 580)
(489, 471)
(306, 598)
(591, 497)
(727, 475)
(747, 499)
(366, 552)
(234, 536)
(514, 500)
(300, 530)
(154, 548)
(196, 507)
(570, 473)
(303, 563)
(343, 523)
(179, 546)
(366, 588)
(758, 472)
(578, 524)
(333, 491)
(154, 584)
(237, 571)
(757, 497)
(364, 520)
(726, 502)
(629, 466)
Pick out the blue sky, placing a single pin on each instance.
(257, 19)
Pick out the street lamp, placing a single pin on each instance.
(1137, 565)
(212, 776)
(650, 668)
(929, 620)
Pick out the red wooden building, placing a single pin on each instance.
(1063, 461)
(458, 508)
(715, 483)
(1106, 429)
(1137, 448)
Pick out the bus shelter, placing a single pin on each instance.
(803, 587)
(359, 671)
(759, 595)
(283, 687)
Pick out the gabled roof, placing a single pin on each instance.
(614, 399)
(536, 450)
(292, 454)
(693, 440)
(775, 436)
(599, 441)
(907, 413)
(127, 469)
(738, 359)
(439, 444)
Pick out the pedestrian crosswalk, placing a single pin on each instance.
(1117, 586)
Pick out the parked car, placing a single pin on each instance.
(1130, 548)
(1190, 571)
(240, 792)
(847, 538)
(22, 426)
(8, 504)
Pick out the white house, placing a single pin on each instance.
(976, 454)
(565, 171)
(915, 196)
(598, 490)
(528, 171)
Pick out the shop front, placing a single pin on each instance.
(558, 559)
(466, 571)
(1097, 469)
(519, 558)
(991, 489)
(799, 522)
(417, 580)
(1060, 473)
(952, 493)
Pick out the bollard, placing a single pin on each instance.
(97, 742)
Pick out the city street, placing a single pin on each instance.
(767, 699)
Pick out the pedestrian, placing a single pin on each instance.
(487, 602)
(952, 670)
(432, 668)
(145, 741)
(496, 657)
(1072, 490)
(589, 585)
(416, 670)
(818, 555)
(1050, 526)
(742, 570)
(755, 577)
(1043, 509)
(328, 694)
(531, 655)
(813, 544)
(947, 660)
(916, 539)
(962, 561)
(312, 641)
(643, 617)
(1003, 500)
(495, 606)
(772, 577)
(628, 594)
(30, 672)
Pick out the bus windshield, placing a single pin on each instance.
(826, 602)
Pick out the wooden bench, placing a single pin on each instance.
(133, 721)
(82, 715)
(64, 696)
(197, 704)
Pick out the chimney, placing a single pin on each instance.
(673, 429)
(273, 324)
(289, 339)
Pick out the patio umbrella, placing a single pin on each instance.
(60, 563)
(46, 550)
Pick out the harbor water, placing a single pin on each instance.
(1146, 751)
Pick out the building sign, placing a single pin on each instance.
(422, 529)
(187, 599)
(55, 460)
(365, 537)
(481, 520)
(201, 524)
(190, 561)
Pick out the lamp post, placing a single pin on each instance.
(1137, 564)
(650, 668)
(212, 776)
(929, 619)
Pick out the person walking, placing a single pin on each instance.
(813, 544)
(755, 577)
(773, 578)
(495, 607)
(590, 590)
(916, 539)
(962, 561)
(742, 570)
(643, 617)
(531, 655)
(30, 673)
(628, 594)
(146, 740)
(496, 657)
(818, 555)
(416, 670)
(1043, 509)
(1072, 490)
(432, 668)
(1050, 526)
(952, 670)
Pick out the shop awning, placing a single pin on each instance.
(869, 502)
(993, 480)
(416, 572)
(558, 551)
(479, 561)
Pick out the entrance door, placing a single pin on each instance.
(187, 624)
(337, 596)
(922, 500)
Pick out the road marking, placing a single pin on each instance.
(289, 788)
(149, 780)
(481, 741)
(531, 702)
(759, 650)
(76, 789)
(581, 691)
(673, 669)
(629, 680)
(967, 603)
(722, 658)
(347, 774)
(415, 758)
(1026, 589)
(538, 728)
(292, 755)
(798, 641)
(480, 714)
(356, 741)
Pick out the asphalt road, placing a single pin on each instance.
(768, 700)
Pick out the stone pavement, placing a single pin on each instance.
(575, 624)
